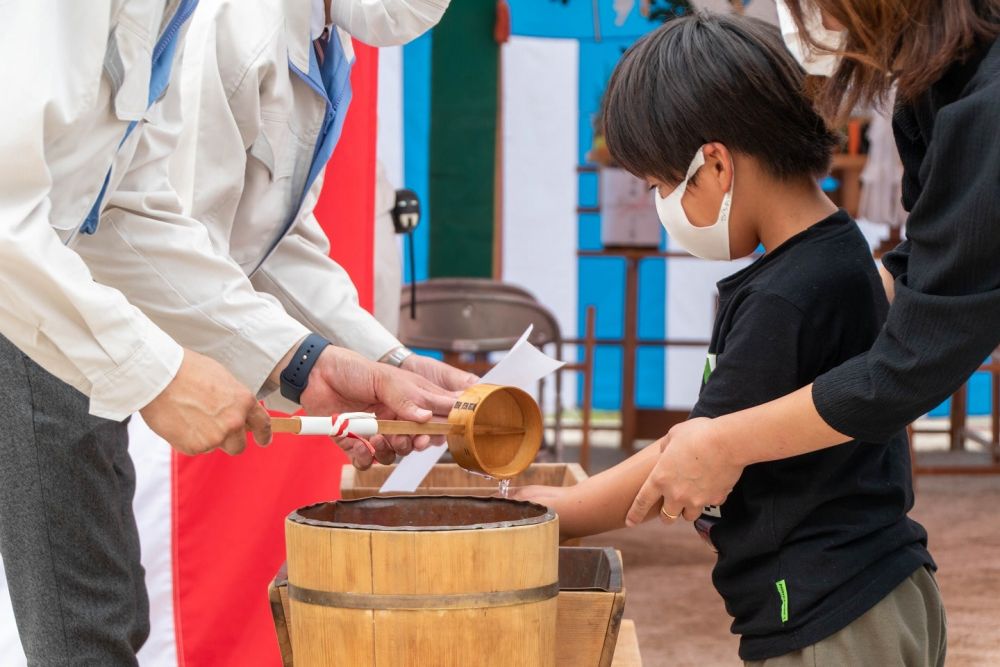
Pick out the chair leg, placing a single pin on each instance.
(959, 410)
(546, 445)
(588, 388)
(996, 415)
(557, 435)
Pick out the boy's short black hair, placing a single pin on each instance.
(713, 77)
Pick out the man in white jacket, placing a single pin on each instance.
(266, 87)
(84, 140)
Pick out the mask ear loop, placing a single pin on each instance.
(697, 162)
(727, 198)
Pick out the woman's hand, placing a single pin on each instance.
(694, 469)
(701, 459)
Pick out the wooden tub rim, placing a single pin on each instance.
(545, 514)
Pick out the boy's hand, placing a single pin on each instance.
(543, 495)
(692, 471)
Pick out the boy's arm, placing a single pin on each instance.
(598, 504)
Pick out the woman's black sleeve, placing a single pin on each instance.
(945, 318)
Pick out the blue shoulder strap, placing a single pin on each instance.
(332, 82)
(159, 79)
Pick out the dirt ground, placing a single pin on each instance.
(681, 621)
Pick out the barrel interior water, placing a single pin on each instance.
(423, 513)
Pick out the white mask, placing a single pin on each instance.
(821, 62)
(710, 242)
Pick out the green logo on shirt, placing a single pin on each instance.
(709, 367)
(783, 593)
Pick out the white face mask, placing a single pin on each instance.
(820, 62)
(710, 242)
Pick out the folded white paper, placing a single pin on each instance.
(522, 367)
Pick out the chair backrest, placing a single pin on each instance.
(450, 286)
(473, 315)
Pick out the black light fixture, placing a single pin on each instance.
(405, 218)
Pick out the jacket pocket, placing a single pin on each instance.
(273, 148)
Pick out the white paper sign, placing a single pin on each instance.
(523, 367)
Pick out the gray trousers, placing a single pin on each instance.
(907, 628)
(67, 532)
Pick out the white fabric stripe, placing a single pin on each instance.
(153, 512)
(390, 113)
(316, 426)
(540, 109)
(11, 653)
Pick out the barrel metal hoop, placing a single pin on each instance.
(447, 601)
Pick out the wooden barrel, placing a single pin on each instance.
(418, 580)
(500, 456)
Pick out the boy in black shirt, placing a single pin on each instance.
(818, 562)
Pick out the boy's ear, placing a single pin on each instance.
(719, 164)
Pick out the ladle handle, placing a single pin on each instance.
(401, 427)
(385, 427)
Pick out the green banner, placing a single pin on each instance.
(464, 65)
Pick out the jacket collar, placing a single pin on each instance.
(298, 19)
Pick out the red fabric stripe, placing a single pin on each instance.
(174, 556)
(229, 511)
(347, 208)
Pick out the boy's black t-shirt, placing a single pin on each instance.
(806, 544)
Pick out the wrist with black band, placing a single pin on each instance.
(295, 377)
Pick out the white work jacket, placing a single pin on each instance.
(77, 76)
(253, 123)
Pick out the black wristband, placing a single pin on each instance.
(295, 377)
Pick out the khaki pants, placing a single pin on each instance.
(906, 629)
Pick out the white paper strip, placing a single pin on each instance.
(522, 367)
(316, 426)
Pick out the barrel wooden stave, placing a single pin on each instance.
(445, 563)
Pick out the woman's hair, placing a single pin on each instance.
(705, 78)
(909, 43)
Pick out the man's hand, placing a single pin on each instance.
(387, 447)
(344, 381)
(205, 408)
(693, 470)
(440, 373)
